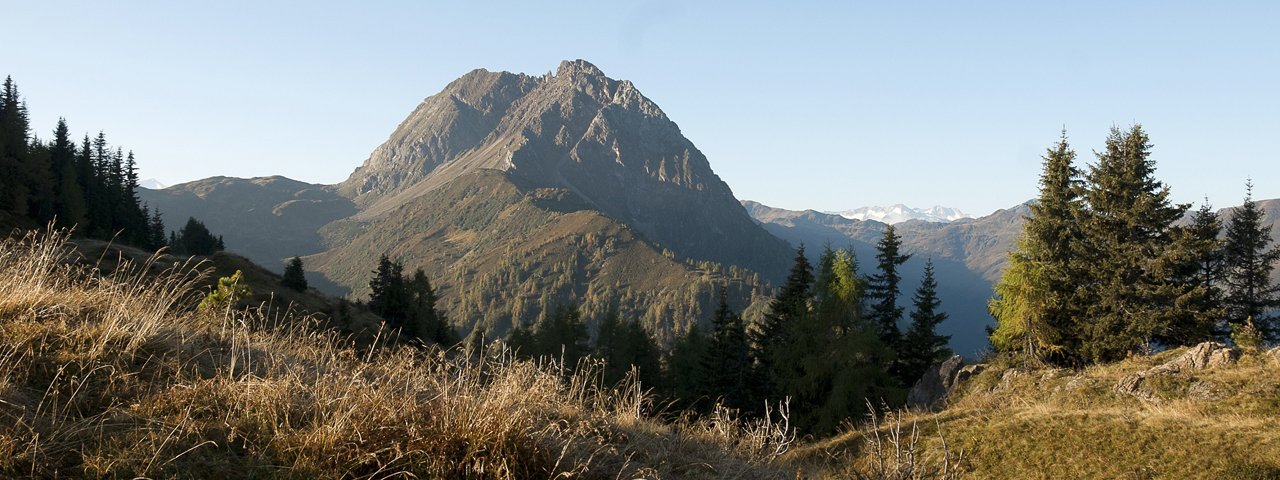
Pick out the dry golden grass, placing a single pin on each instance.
(118, 376)
(1012, 423)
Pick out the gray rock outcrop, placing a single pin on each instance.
(936, 385)
(1203, 356)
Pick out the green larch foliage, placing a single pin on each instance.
(842, 361)
(1035, 304)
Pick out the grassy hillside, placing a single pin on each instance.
(116, 375)
(267, 295)
(1218, 422)
(505, 253)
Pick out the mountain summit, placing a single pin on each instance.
(578, 130)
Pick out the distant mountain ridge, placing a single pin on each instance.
(899, 213)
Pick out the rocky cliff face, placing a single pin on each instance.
(578, 130)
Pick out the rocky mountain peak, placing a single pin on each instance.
(578, 130)
(578, 68)
(542, 128)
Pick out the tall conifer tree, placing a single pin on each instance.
(1248, 263)
(771, 335)
(922, 346)
(69, 196)
(294, 277)
(685, 372)
(624, 345)
(1206, 229)
(14, 135)
(1036, 306)
(728, 361)
(842, 361)
(1134, 296)
(883, 287)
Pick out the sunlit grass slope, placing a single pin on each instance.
(117, 375)
(1217, 422)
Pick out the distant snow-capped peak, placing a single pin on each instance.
(900, 213)
(151, 183)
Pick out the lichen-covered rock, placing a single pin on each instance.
(936, 384)
(1131, 385)
(1202, 356)
(1199, 357)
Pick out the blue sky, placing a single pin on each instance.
(824, 105)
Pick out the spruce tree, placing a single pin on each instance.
(520, 340)
(1132, 300)
(475, 342)
(642, 353)
(388, 294)
(1248, 263)
(771, 335)
(883, 288)
(37, 176)
(194, 239)
(69, 196)
(14, 134)
(624, 345)
(922, 346)
(684, 370)
(155, 231)
(294, 277)
(1036, 305)
(427, 321)
(1194, 307)
(1206, 230)
(563, 336)
(728, 360)
(87, 175)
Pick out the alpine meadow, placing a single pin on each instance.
(540, 275)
